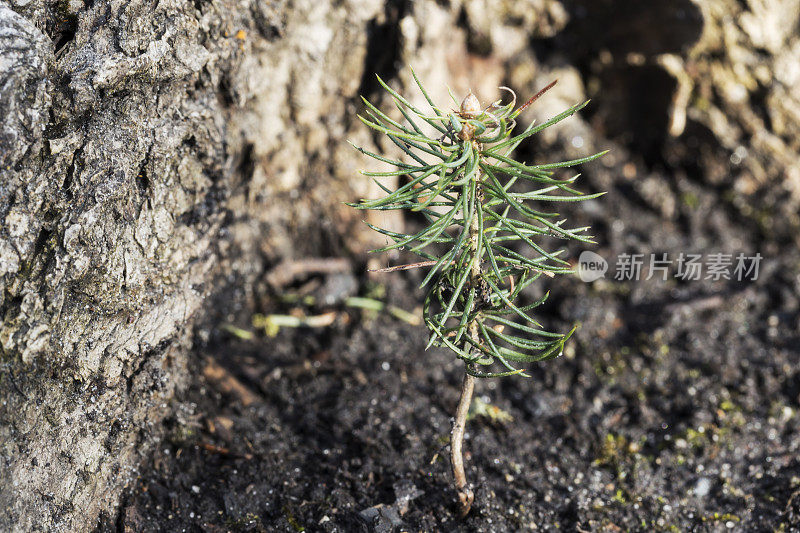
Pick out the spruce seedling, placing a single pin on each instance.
(460, 176)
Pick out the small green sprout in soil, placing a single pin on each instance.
(459, 175)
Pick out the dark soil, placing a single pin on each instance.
(674, 410)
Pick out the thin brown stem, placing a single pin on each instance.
(465, 494)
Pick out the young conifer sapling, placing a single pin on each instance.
(482, 240)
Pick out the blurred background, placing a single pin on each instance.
(293, 391)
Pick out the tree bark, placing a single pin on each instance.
(137, 138)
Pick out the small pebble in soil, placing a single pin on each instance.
(703, 487)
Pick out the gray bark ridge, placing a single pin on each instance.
(135, 136)
(114, 166)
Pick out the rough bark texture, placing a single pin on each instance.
(127, 128)
(154, 154)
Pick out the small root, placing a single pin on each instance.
(465, 494)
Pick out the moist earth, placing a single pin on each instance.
(674, 407)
